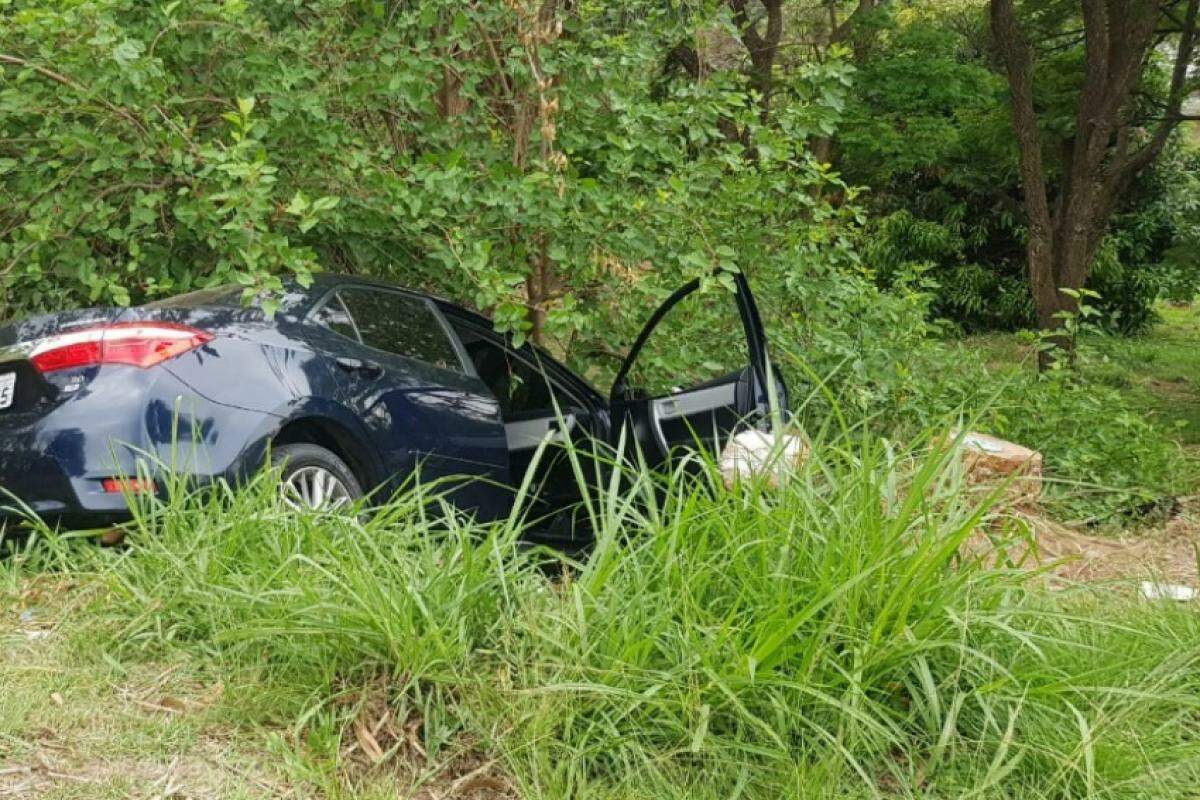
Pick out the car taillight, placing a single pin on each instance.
(140, 344)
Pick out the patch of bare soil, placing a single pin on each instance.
(1176, 388)
(380, 755)
(1169, 553)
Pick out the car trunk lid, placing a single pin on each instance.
(38, 327)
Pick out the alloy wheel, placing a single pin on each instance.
(314, 489)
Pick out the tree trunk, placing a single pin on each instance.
(1096, 160)
(1050, 305)
(761, 46)
(535, 108)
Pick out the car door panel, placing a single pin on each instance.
(701, 416)
(541, 415)
(538, 455)
(529, 434)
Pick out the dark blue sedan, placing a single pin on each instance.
(351, 387)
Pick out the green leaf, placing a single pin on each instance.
(298, 204)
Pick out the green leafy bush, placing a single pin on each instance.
(550, 177)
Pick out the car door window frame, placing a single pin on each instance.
(464, 362)
(528, 429)
(752, 329)
(583, 393)
(704, 396)
(334, 297)
(534, 360)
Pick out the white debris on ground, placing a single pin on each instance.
(31, 625)
(1168, 591)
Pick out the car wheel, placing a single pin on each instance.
(312, 478)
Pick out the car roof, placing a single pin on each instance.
(323, 281)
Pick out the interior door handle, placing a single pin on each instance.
(560, 430)
(368, 368)
(668, 408)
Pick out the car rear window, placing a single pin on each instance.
(225, 295)
(394, 323)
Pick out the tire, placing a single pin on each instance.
(314, 478)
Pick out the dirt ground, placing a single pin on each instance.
(1166, 554)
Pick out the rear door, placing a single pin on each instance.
(403, 375)
(697, 373)
(540, 402)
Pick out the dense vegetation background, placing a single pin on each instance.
(871, 628)
(547, 162)
(564, 165)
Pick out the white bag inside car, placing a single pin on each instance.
(753, 452)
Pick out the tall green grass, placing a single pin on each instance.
(824, 638)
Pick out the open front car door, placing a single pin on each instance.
(697, 373)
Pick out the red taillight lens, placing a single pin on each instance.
(131, 485)
(67, 355)
(140, 344)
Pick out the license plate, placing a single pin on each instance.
(8, 387)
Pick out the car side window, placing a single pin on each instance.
(523, 390)
(333, 315)
(394, 323)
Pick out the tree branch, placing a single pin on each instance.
(1014, 50)
(842, 31)
(762, 47)
(746, 27)
(73, 84)
(1176, 94)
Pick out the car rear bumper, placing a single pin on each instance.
(127, 423)
(35, 478)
